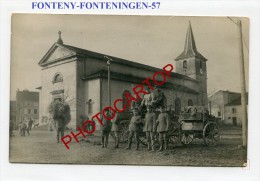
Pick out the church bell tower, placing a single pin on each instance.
(192, 64)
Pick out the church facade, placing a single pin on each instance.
(81, 78)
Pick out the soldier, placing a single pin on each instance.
(23, 127)
(150, 127)
(136, 104)
(30, 123)
(162, 129)
(147, 100)
(105, 129)
(60, 128)
(134, 129)
(158, 98)
(115, 129)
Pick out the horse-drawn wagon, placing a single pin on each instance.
(195, 122)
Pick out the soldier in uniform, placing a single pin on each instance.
(158, 98)
(30, 122)
(23, 127)
(60, 128)
(134, 129)
(147, 99)
(105, 129)
(150, 127)
(163, 127)
(135, 104)
(115, 129)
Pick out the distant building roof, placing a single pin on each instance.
(190, 49)
(134, 79)
(26, 95)
(223, 91)
(123, 61)
(87, 53)
(237, 101)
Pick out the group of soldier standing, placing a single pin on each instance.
(150, 102)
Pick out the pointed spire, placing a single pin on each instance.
(190, 49)
(190, 42)
(59, 41)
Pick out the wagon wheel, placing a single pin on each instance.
(143, 139)
(174, 134)
(186, 138)
(210, 134)
(123, 134)
(142, 135)
(156, 140)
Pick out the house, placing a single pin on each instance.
(27, 106)
(233, 112)
(226, 106)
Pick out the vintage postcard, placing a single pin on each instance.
(129, 90)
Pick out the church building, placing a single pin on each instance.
(81, 78)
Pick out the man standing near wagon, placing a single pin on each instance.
(163, 127)
(105, 129)
(150, 127)
(134, 129)
(147, 99)
(158, 98)
(115, 129)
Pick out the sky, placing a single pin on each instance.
(151, 40)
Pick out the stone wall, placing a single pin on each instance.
(92, 97)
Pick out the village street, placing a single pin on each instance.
(41, 147)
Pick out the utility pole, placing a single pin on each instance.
(209, 107)
(108, 80)
(243, 86)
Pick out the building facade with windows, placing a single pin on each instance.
(233, 112)
(226, 106)
(80, 77)
(27, 106)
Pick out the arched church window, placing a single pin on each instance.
(124, 100)
(57, 78)
(190, 102)
(57, 99)
(185, 64)
(90, 106)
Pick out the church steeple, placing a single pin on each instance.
(59, 41)
(190, 49)
(192, 64)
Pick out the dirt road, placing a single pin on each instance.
(41, 147)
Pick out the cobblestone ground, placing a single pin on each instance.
(41, 147)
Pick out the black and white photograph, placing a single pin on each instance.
(129, 90)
